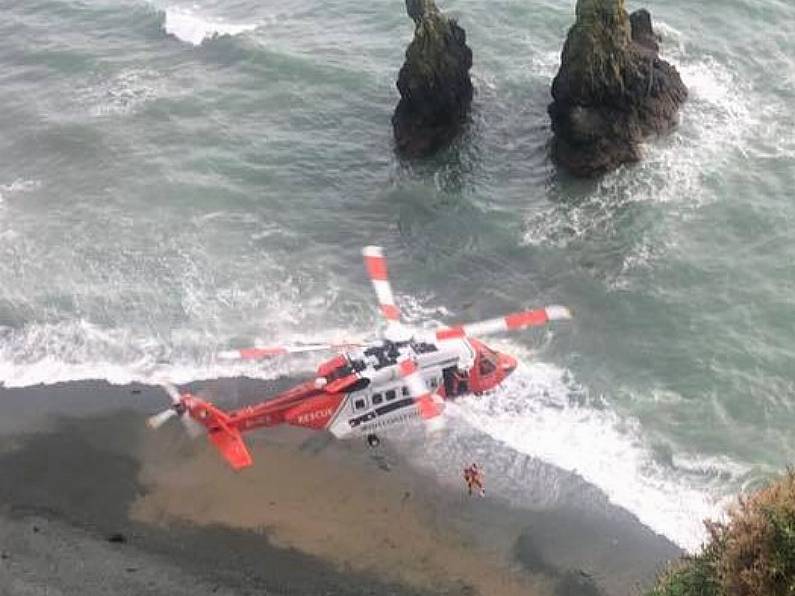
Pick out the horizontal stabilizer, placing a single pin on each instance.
(230, 444)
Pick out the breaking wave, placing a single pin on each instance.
(717, 122)
(193, 28)
(48, 353)
(541, 411)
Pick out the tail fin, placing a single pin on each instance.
(222, 434)
(230, 444)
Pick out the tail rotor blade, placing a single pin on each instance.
(160, 419)
(177, 410)
(193, 428)
(511, 322)
(172, 391)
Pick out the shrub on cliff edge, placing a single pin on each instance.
(750, 554)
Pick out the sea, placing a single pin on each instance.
(182, 177)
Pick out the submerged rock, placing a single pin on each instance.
(612, 89)
(434, 84)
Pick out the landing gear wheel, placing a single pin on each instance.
(373, 441)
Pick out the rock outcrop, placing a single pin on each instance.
(434, 84)
(612, 89)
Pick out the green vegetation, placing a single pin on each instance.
(751, 554)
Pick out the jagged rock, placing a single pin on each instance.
(434, 84)
(612, 89)
(117, 538)
(642, 30)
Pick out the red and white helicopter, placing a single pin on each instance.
(404, 376)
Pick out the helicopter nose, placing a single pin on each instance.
(507, 363)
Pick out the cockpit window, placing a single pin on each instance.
(487, 367)
(488, 362)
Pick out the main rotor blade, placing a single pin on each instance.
(375, 262)
(273, 352)
(512, 322)
(172, 391)
(429, 404)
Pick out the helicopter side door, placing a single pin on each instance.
(456, 382)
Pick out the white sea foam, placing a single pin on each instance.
(540, 411)
(194, 28)
(534, 413)
(543, 63)
(669, 36)
(79, 350)
(122, 93)
(418, 310)
(10, 191)
(18, 186)
(716, 124)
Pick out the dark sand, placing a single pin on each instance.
(313, 516)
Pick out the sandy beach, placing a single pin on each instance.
(92, 501)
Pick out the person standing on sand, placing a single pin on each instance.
(473, 476)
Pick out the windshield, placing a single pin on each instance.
(488, 362)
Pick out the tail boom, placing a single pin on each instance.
(303, 405)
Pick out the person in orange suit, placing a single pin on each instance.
(473, 476)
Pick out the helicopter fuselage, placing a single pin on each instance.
(362, 392)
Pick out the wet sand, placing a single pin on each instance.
(313, 516)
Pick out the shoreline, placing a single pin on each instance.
(313, 515)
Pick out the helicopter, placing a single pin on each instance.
(402, 377)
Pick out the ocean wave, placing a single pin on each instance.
(195, 29)
(717, 122)
(542, 412)
(544, 63)
(78, 349)
(49, 353)
(19, 185)
(669, 35)
(122, 93)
